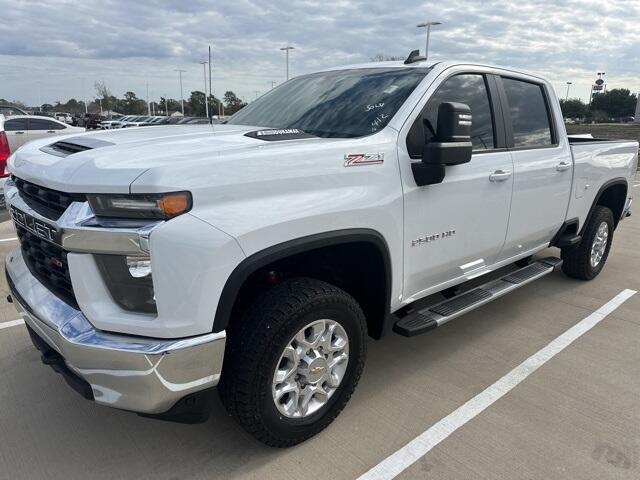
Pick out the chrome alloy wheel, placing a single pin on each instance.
(599, 245)
(310, 369)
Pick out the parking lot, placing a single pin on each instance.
(576, 416)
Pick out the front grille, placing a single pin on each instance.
(47, 202)
(48, 263)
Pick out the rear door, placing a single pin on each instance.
(41, 127)
(16, 131)
(542, 162)
(455, 229)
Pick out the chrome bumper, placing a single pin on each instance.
(132, 373)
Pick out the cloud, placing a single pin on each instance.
(48, 47)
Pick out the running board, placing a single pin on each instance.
(431, 317)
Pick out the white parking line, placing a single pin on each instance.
(12, 323)
(8, 239)
(422, 444)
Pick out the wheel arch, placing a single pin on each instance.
(612, 194)
(376, 310)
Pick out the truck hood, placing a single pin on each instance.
(110, 161)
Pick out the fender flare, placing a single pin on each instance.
(293, 247)
(605, 186)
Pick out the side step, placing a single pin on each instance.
(568, 240)
(431, 317)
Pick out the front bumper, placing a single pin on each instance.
(140, 374)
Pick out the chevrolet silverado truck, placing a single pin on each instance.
(260, 255)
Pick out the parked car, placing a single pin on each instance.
(258, 256)
(92, 121)
(10, 110)
(63, 117)
(137, 122)
(168, 121)
(20, 129)
(113, 124)
(194, 121)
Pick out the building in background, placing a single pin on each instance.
(637, 115)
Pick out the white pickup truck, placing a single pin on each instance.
(258, 255)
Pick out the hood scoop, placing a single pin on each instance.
(271, 135)
(69, 146)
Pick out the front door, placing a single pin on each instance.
(454, 230)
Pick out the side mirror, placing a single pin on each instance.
(451, 144)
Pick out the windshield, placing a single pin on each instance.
(337, 104)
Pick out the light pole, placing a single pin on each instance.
(568, 86)
(206, 101)
(286, 50)
(148, 105)
(273, 84)
(210, 118)
(181, 96)
(428, 26)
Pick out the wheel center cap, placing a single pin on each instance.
(314, 370)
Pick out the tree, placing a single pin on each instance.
(108, 100)
(196, 103)
(573, 108)
(132, 105)
(618, 102)
(232, 103)
(599, 116)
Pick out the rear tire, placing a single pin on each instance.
(586, 260)
(311, 335)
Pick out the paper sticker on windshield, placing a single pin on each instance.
(358, 159)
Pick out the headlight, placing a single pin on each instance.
(149, 205)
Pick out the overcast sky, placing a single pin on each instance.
(50, 49)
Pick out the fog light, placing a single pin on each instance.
(139, 267)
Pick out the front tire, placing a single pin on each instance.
(587, 260)
(293, 360)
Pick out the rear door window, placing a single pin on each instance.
(40, 124)
(529, 114)
(15, 125)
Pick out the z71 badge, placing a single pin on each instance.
(358, 159)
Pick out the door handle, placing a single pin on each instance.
(51, 131)
(562, 166)
(500, 175)
(19, 133)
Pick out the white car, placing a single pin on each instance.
(137, 121)
(114, 124)
(21, 129)
(63, 117)
(259, 255)
(107, 124)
